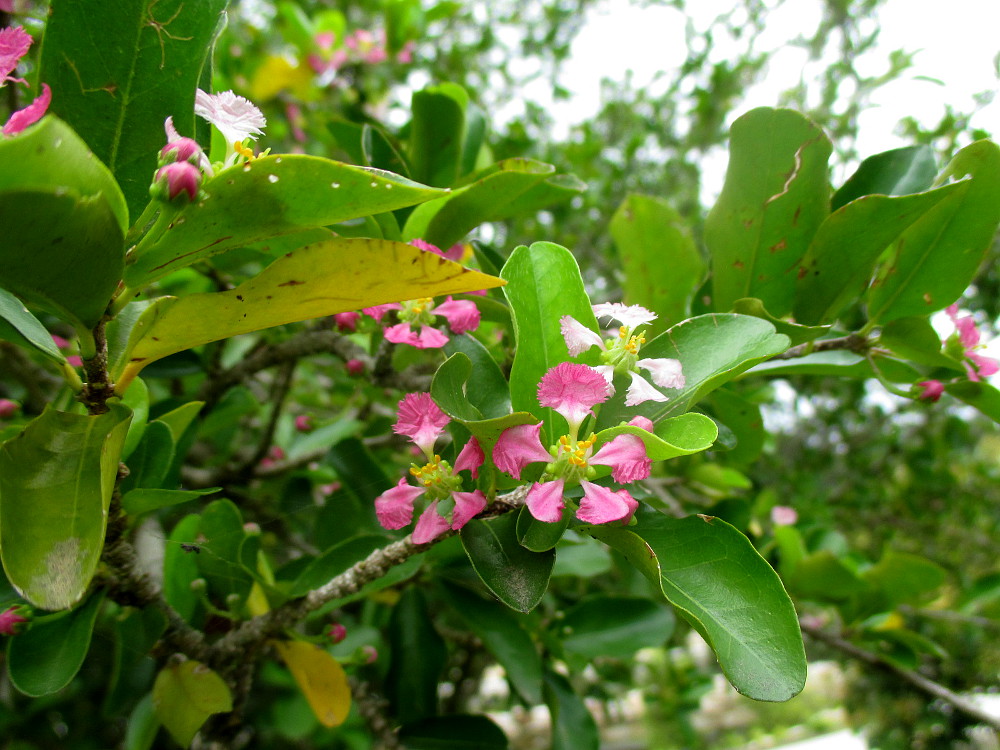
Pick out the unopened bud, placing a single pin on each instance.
(251, 528)
(354, 366)
(304, 423)
(181, 149)
(13, 619)
(336, 633)
(369, 654)
(8, 408)
(347, 321)
(198, 585)
(177, 179)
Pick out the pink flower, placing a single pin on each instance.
(394, 507)
(421, 420)
(13, 618)
(179, 148)
(304, 423)
(63, 345)
(180, 178)
(379, 311)
(405, 55)
(336, 633)
(601, 505)
(417, 317)
(930, 390)
(468, 505)
(626, 455)
(347, 321)
(354, 367)
(783, 515)
(519, 446)
(426, 338)
(14, 44)
(545, 500)
(8, 408)
(234, 116)
(968, 335)
(471, 457)
(455, 252)
(30, 114)
(370, 654)
(367, 47)
(572, 390)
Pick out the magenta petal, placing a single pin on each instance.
(421, 420)
(930, 390)
(519, 446)
(379, 311)
(642, 422)
(468, 505)
(14, 44)
(471, 457)
(431, 338)
(626, 455)
(572, 390)
(394, 507)
(429, 526)
(545, 501)
(462, 315)
(601, 505)
(30, 114)
(401, 333)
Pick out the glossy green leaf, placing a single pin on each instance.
(551, 191)
(45, 658)
(713, 349)
(774, 198)
(904, 578)
(840, 363)
(136, 631)
(824, 577)
(180, 567)
(916, 340)
(149, 463)
(933, 262)
(743, 418)
(333, 562)
(221, 535)
(118, 71)
(271, 196)
(573, 728)
(840, 260)
(312, 282)
(20, 327)
(437, 134)
(137, 400)
(677, 436)
(661, 262)
(142, 725)
(487, 390)
(543, 284)
(501, 632)
(418, 658)
(448, 388)
(901, 171)
(453, 732)
(144, 500)
(515, 575)
(539, 536)
(615, 626)
(185, 694)
(725, 589)
(796, 332)
(446, 220)
(982, 396)
(56, 479)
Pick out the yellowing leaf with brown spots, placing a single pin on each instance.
(185, 695)
(314, 281)
(320, 678)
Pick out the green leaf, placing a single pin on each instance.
(333, 562)
(743, 419)
(515, 575)
(824, 577)
(904, 578)
(20, 327)
(539, 536)
(418, 658)
(661, 262)
(488, 390)
(446, 220)
(437, 134)
(221, 535)
(841, 258)
(797, 333)
(775, 196)
(185, 694)
(56, 479)
(558, 188)
(142, 725)
(180, 567)
(615, 626)
(453, 732)
(573, 728)
(144, 500)
(677, 436)
(150, 462)
(842, 364)
(45, 658)
(713, 349)
(725, 589)
(916, 340)
(118, 71)
(448, 388)
(543, 284)
(982, 396)
(271, 196)
(933, 262)
(312, 282)
(901, 171)
(500, 631)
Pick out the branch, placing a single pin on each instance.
(915, 679)
(852, 343)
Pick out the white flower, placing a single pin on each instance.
(235, 117)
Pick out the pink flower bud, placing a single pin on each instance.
(354, 367)
(8, 408)
(783, 515)
(930, 390)
(182, 149)
(336, 633)
(304, 423)
(176, 179)
(370, 654)
(347, 321)
(13, 618)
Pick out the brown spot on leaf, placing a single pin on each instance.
(291, 282)
(738, 264)
(706, 519)
(802, 272)
(795, 216)
(239, 297)
(779, 246)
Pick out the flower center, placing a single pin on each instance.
(622, 352)
(571, 458)
(418, 311)
(437, 478)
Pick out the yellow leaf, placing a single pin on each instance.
(277, 74)
(185, 695)
(320, 678)
(314, 281)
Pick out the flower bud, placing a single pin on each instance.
(181, 149)
(12, 619)
(347, 321)
(174, 180)
(354, 367)
(198, 585)
(930, 390)
(304, 423)
(8, 408)
(336, 633)
(369, 654)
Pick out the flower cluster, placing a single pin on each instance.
(14, 44)
(964, 345)
(448, 507)
(417, 317)
(620, 353)
(573, 390)
(359, 47)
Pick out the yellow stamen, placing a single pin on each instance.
(622, 332)
(243, 151)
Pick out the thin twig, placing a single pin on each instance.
(852, 343)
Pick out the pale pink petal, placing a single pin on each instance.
(601, 505)
(952, 311)
(967, 331)
(430, 525)
(986, 366)
(578, 337)
(572, 390)
(783, 515)
(30, 114)
(421, 420)
(629, 316)
(14, 43)
(235, 117)
(402, 333)
(642, 422)
(468, 505)
(641, 391)
(426, 246)
(545, 501)
(608, 373)
(626, 455)
(471, 457)
(379, 311)
(462, 315)
(666, 373)
(519, 446)
(431, 338)
(394, 507)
